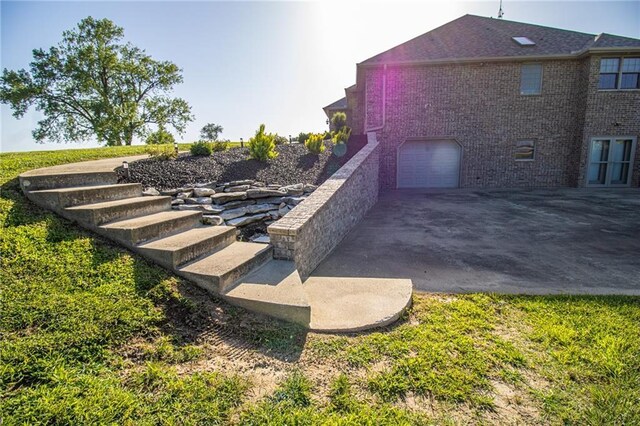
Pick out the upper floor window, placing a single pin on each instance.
(619, 73)
(531, 79)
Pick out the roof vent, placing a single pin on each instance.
(524, 41)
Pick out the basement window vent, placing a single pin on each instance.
(524, 41)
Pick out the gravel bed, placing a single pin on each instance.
(294, 164)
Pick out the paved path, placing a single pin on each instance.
(535, 242)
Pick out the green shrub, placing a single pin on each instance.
(262, 146)
(279, 140)
(342, 136)
(201, 148)
(160, 137)
(302, 137)
(219, 146)
(315, 143)
(161, 152)
(338, 121)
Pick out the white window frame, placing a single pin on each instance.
(634, 142)
(522, 68)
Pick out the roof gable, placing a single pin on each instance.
(473, 36)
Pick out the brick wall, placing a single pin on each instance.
(480, 106)
(608, 113)
(309, 232)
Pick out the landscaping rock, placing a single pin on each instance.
(177, 202)
(245, 220)
(199, 200)
(234, 213)
(203, 192)
(284, 210)
(293, 201)
(240, 203)
(297, 189)
(263, 193)
(169, 191)
(210, 185)
(261, 208)
(238, 188)
(240, 182)
(200, 207)
(261, 239)
(212, 220)
(271, 200)
(309, 188)
(225, 197)
(151, 192)
(184, 195)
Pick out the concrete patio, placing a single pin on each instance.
(577, 241)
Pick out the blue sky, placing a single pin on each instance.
(278, 63)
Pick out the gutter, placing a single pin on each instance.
(573, 55)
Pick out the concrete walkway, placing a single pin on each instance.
(577, 241)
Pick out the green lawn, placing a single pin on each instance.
(92, 334)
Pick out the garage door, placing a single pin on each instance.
(429, 164)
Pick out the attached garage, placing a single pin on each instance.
(429, 164)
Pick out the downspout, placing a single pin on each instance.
(384, 101)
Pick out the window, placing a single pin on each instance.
(614, 76)
(524, 41)
(531, 79)
(525, 150)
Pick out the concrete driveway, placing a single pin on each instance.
(527, 241)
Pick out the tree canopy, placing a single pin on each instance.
(211, 131)
(93, 85)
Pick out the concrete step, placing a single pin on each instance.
(44, 180)
(157, 225)
(218, 271)
(186, 246)
(350, 304)
(276, 290)
(109, 211)
(74, 196)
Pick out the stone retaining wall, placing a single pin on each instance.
(309, 232)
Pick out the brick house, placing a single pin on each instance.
(482, 102)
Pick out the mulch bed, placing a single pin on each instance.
(294, 164)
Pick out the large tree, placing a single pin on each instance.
(93, 85)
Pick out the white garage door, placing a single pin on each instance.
(429, 164)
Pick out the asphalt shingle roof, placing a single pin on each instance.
(473, 36)
(339, 104)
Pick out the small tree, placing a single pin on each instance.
(302, 137)
(342, 136)
(160, 137)
(211, 131)
(338, 121)
(262, 146)
(315, 143)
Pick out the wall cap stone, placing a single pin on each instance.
(295, 220)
